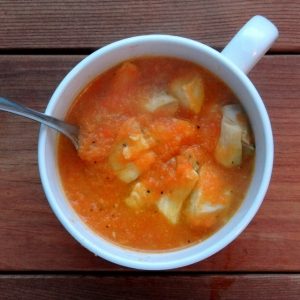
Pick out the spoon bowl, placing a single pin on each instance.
(70, 131)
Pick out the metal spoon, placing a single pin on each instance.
(68, 130)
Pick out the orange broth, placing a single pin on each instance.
(103, 110)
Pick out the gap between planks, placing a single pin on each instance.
(87, 51)
(138, 273)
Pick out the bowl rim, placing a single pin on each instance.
(223, 242)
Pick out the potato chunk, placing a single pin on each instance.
(189, 91)
(161, 100)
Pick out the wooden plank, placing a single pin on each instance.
(213, 287)
(92, 24)
(33, 239)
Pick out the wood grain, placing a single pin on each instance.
(33, 239)
(213, 287)
(91, 24)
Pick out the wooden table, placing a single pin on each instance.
(40, 41)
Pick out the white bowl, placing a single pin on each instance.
(154, 45)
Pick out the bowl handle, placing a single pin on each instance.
(251, 42)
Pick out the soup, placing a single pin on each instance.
(166, 154)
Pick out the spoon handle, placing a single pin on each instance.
(69, 130)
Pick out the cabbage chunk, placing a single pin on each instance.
(229, 148)
(235, 113)
(161, 100)
(138, 196)
(131, 154)
(197, 204)
(170, 205)
(235, 133)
